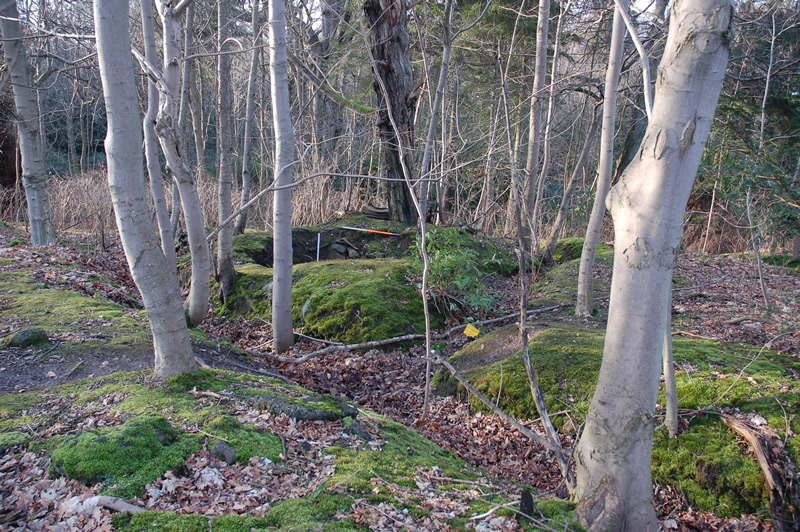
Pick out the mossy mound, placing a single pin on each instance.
(152, 445)
(125, 458)
(348, 301)
(710, 465)
(340, 239)
(56, 313)
(559, 284)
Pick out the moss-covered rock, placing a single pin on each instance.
(13, 439)
(707, 462)
(28, 338)
(311, 407)
(559, 284)
(349, 301)
(126, 458)
(244, 440)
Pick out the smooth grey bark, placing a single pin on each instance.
(183, 108)
(169, 135)
(670, 386)
(225, 272)
(157, 284)
(284, 162)
(613, 457)
(151, 142)
(544, 169)
(585, 298)
(535, 116)
(249, 121)
(34, 165)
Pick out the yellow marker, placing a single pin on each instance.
(471, 331)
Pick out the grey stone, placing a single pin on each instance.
(224, 451)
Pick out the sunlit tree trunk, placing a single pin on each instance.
(151, 142)
(170, 137)
(284, 156)
(225, 273)
(535, 118)
(614, 490)
(34, 165)
(585, 299)
(157, 284)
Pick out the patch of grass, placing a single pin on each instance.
(125, 458)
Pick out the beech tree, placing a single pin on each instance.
(225, 271)
(284, 160)
(34, 165)
(156, 283)
(585, 297)
(614, 488)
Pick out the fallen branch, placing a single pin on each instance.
(760, 446)
(396, 339)
(112, 503)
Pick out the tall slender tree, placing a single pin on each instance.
(614, 489)
(34, 165)
(156, 283)
(284, 162)
(225, 272)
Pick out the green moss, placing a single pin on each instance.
(126, 458)
(315, 512)
(559, 284)
(712, 467)
(403, 452)
(13, 439)
(245, 439)
(562, 512)
(160, 521)
(349, 301)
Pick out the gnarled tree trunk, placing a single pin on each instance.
(614, 489)
(157, 284)
(391, 63)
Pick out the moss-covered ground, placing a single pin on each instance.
(348, 301)
(712, 467)
(559, 284)
(160, 432)
(102, 323)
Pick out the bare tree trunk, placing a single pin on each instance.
(614, 490)
(389, 47)
(757, 251)
(170, 138)
(151, 142)
(284, 161)
(249, 130)
(561, 215)
(34, 165)
(585, 298)
(157, 284)
(670, 387)
(437, 104)
(225, 272)
(535, 118)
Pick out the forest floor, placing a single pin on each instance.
(715, 298)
